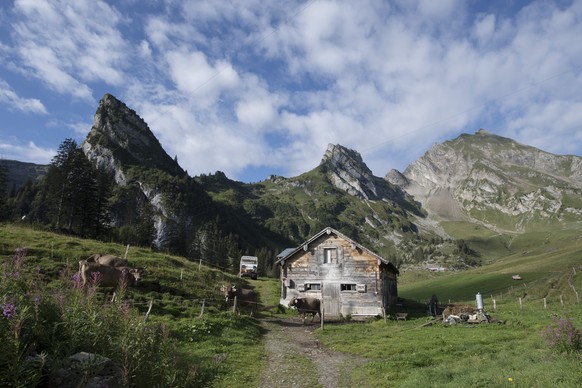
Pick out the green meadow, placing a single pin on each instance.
(199, 342)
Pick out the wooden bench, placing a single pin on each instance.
(401, 316)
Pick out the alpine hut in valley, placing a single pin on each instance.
(347, 277)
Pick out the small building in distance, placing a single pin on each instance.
(347, 277)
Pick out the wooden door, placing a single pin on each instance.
(331, 300)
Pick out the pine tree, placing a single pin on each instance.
(74, 194)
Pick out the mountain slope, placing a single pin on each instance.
(152, 189)
(18, 173)
(341, 192)
(496, 182)
(482, 189)
(154, 194)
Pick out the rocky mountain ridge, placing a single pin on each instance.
(482, 178)
(485, 177)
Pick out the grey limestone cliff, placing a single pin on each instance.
(484, 177)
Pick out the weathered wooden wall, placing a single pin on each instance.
(353, 283)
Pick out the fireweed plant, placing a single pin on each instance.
(563, 336)
(41, 327)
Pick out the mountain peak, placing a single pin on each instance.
(477, 176)
(347, 171)
(120, 137)
(338, 154)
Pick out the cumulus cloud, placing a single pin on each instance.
(10, 98)
(67, 44)
(228, 85)
(376, 77)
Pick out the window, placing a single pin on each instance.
(348, 287)
(330, 255)
(312, 287)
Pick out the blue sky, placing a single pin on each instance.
(260, 87)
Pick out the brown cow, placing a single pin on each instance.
(104, 276)
(108, 260)
(307, 306)
(243, 297)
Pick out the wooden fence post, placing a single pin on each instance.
(234, 306)
(520, 303)
(149, 309)
(494, 305)
(561, 300)
(545, 304)
(575, 292)
(181, 274)
(202, 310)
(321, 311)
(200, 265)
(126, 250)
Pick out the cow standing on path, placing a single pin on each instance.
(307, 306)
(243, 297)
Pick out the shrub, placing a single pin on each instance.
(563, 336)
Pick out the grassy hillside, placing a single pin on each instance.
(199, 342)
(546, 260)
(205, 342)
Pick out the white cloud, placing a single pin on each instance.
(29, 152)
(439, 10)
(193, 75)
(484, 28)
(230, 84)
(256, 113)
(67, 44)
(10, 98)
(48, 69)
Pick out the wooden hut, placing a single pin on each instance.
(350, 279)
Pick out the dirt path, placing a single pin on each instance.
(297, 359)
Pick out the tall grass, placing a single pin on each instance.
(40, 328)
(172, 348)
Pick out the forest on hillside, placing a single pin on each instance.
(77, 198)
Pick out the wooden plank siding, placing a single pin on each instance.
(348, 278)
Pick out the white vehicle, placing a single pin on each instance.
(249, 267)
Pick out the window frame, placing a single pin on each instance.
(330, 255)
(313, 287)
(348, 287)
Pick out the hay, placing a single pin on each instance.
(458, 309)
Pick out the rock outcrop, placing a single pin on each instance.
(121, 143)
(120, 139)
(348, 172)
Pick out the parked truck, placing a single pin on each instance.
(249, 267)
